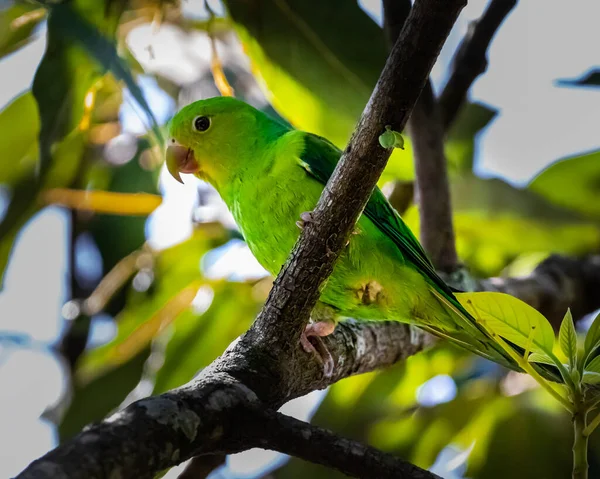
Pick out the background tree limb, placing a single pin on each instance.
(470, 59)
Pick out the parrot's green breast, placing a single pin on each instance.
(371, 279)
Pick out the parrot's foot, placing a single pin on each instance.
(305, 218)
(312, 343)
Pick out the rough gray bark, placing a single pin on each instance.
(266, 366)
(470, 59)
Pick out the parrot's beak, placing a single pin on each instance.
(180, 160)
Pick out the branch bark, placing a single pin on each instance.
(470, 59)
(432, 185)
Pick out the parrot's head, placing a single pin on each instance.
(217, 139)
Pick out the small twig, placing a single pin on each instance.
(297, 438)
(470, 59)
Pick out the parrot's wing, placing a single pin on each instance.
(319, 159)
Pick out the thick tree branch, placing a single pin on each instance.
(470, 60)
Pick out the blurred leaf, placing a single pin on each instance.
(199, 339)
(148, 312)
(93, 30)
(460, 142)
(489, 214)
(19, 144)
(510, 318)
(567, 338)
(591, 79)
(572, 183)
(319, 62)
(17, 22)
(93, 400)
(62, 87)
(122, 204)
(592, 338)
(118, 236)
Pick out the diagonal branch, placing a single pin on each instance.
(470, 60)
(318, 445)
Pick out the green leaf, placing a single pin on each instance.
(594, 365)
(567, 338)
(572, 183)
(95, 34)
(490, 213)
(512, 319)
(589, 79)
(590, 377)
(19, 144)
(592, 338)
(17, 23)
(199, 339)
(540, 358)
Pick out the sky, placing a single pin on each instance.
(541, 41)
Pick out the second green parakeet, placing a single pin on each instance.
(270, 175)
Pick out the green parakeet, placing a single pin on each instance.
(270, 175)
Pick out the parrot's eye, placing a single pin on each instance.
(202, 123)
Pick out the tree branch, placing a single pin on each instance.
(470, 59)
(318, 445)
(432, 185)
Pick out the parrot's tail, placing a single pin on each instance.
(466, 332)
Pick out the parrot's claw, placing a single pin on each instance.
(312, 343)
(305, 218)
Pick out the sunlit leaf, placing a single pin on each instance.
(18, 146)
(592, 338)
(512, 319)
(572, 183)
(540, 358)
(567, 338)
(123, 204)
(593, 365)
(591, 377)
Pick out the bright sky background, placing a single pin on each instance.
(543, 40)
